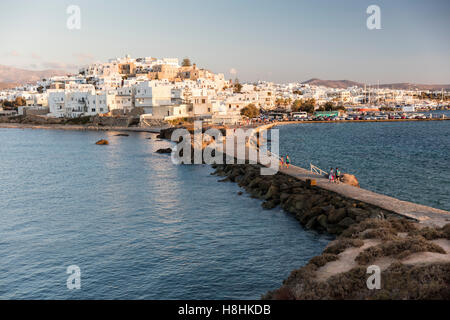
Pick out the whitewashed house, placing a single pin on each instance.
(152, 93)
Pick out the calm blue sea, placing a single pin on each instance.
(136, 225)
(406, 160)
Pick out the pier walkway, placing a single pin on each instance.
(421, 213)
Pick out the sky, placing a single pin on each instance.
(281, 41)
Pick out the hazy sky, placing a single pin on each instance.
(262, 40)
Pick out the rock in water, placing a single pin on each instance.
(165, 150)
(350, 179)
(122, 135)
(102, 142)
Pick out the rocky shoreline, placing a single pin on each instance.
(94, 123)
(414, 259)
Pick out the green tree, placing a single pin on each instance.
(307, 105)
(237, 86)
(186, 62)
(296, 105)
(328, 106)
(250, 111)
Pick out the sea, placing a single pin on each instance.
(408, 160)
(135, 225)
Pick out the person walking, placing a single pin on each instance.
(281, 162)
(288, 161)
(331, 175)
(337, 173)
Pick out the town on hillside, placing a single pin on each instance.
(164, 90)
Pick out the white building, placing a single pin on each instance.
(152, 93)
(82, 100)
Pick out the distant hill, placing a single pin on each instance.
(413, 86)
(8, 85)
(22, 76)
(333, 83)
(402, 86)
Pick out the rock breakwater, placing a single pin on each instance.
(313, 207)
(414, 259)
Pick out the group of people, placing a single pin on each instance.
(334, 176)
(285, 161)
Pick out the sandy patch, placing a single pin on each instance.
(346, 261)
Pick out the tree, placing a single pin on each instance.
(328, 106)
(186, 62)
(296, 105)
(306, 105)
(8, 105)
(237, 86)
(20, 102)
(250, 111)
(12, 105)
(279, 101)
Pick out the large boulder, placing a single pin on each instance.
(328, 209)
(322, 220)
(337, 215)
(350, 179)
(308, 214)
(273, 192)
(164, 150)
(270, 204)
(311, 223)
(357, 213)
(346, 222)
(102, 142)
